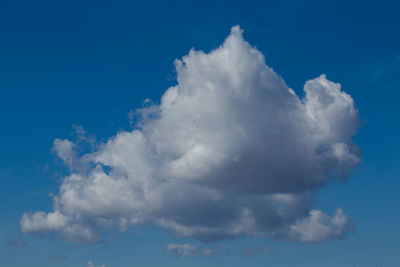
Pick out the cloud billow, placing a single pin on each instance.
(230, 151)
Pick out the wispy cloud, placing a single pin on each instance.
(181, 250)
(253, 252)
(16, 242)
(55, 257)
(91, 264)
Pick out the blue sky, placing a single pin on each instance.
(68, 63)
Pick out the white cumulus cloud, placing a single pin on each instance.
(230, 151)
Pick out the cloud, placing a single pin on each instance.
(252, 252)
(64, 149)
(318, 227)
(91, 264)
(55, 257)
(181, 250)
(230, 151)
(224, 250)
(16, 242)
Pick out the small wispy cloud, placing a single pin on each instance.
(55, 257)
(91, 264)
(16, 242)
(253, 252)
(181, 250)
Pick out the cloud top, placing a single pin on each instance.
(230, 151)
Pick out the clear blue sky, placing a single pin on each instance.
(89, 63)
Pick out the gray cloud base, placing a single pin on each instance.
(230, 151)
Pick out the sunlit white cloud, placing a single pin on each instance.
(230, 151)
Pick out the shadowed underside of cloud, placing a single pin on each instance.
(230, 151)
